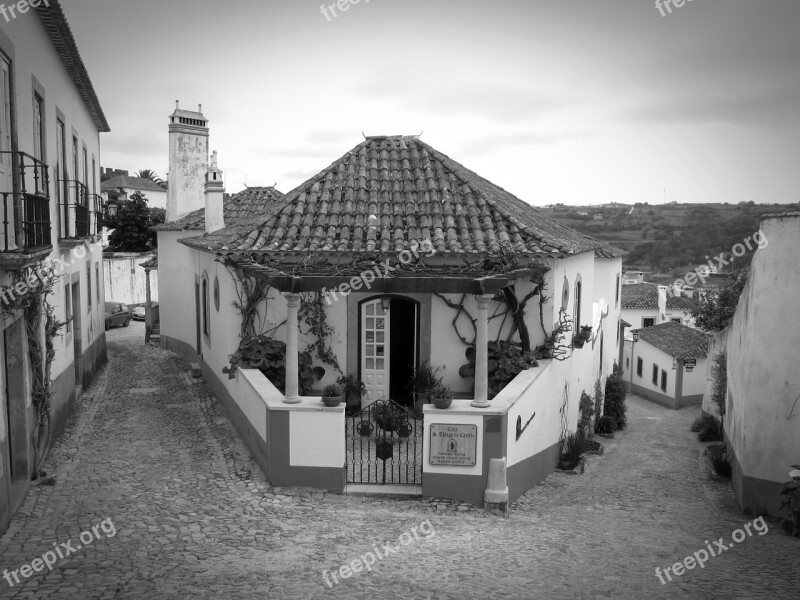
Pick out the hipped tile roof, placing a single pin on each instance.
(131, 183)
(239, 209)
(390, 193)
(676, 340)
(645, 296)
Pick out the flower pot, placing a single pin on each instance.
(442, 402)
(332, 400)
(578, 342)
(353, 403)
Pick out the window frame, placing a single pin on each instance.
(639, 366)
(663, 380)
(646, 319)
(654, 378)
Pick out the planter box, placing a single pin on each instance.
(578, 470)
(597, 452)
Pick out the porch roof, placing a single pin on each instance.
(386, 272)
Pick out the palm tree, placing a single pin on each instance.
(151, 175)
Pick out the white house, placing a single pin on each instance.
(155, 194)
(50, 203)
(667, 364)
(648, 304)
(391, 257)
(762, 410)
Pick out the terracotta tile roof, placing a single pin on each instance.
(238, 209)
(388, 194)
(676, 340)
(645, 296)
(55, 24)
(151, 263)
(128, 182)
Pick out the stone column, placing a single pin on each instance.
(482, 354)
(292, 385)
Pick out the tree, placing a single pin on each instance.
(151, 175)
(133, 225)
(716, 311)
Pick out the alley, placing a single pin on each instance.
(151, 451)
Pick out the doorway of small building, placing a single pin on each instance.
(389, 347)
(77, 332)
(16, 447)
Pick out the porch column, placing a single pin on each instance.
(482, 354)
(292, 395)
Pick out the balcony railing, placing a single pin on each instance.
(97, 213)
(25, 203)
(76, 211)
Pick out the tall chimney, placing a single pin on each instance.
(662, 305)
(215, 192)
(188, 162)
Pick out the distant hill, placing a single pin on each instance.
(673, 237)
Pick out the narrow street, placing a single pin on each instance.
(152, 451)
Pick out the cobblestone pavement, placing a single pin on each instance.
(194, 517)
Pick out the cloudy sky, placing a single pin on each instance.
(574, 101)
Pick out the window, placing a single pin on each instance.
(639, 366)
(663, 380)
(75, 165)
(676, 320)
(5, 109)
(85, 167)
(616, 302)
(655, 374)
(68, 308)
(88, 286)
(97, 282)
(61, 165)
(648, 322)
(577, 310)
(627, 363)
(38, 127)
(206, 308)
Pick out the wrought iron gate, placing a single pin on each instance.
(384, 445)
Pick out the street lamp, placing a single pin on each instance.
(386, 302)
(636, 333)
(111, 210)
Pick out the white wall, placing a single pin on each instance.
(176, 272)
(126, 280)
(636, 316)
(652, 355)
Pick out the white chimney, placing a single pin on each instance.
(662, 305)
(215, 191)
(639, 277)
(188, 162)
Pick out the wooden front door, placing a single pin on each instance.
(375, 350)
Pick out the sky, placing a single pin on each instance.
(573, 101)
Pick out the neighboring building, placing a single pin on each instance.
(632, 277)
(667, 364)
(597, 217)
(388, 200)
(648, 304)
(156, 195)
(762, 410)
(49, 187)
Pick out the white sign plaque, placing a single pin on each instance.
(453, 444)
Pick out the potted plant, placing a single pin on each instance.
(583, 336)
(791, 503)
(423, 380)
(441, 396)
(332, 395)
(353, 391)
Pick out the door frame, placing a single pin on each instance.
(418, 305)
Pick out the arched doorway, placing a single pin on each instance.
(388, 347)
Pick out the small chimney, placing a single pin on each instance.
(662, 305)
(639, 277)
(215, 192)
(676, 290)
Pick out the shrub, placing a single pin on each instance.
(616, 391)
(571, 450)
(332, 390)
(719, 460)
(605, 425)
(506, 361)
(791, 503)
(697, 424)
(719, 390)
(269, 356)
(711, 430)
(586, 407)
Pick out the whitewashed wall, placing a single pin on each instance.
(126, 280)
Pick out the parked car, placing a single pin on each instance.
(117, 313)
(137, 312)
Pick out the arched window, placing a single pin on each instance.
(577, 301)
(206, 308)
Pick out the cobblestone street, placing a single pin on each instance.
(152, 451)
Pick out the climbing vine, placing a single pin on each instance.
(312, 312)
(38, 284)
